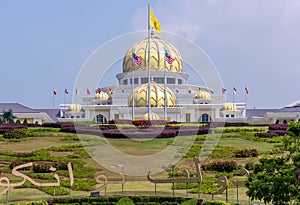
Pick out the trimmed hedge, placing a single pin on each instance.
(265, 135)
(113, 200)
(246, 153)
(220, 166)
(14, 134)
(278, 126)
(33, 203)
(211, 202)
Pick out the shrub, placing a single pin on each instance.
(278, 126)
(33, 203)
(14, 134)
(211, 202)
(279, 132)
(249, 166)
(220, 166)
(265, 135)
(246, 153)
(125, 201)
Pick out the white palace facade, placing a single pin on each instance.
(184, 102)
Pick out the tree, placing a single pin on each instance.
(277, 179)
(8, 117)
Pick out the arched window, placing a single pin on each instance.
(205, 118)
(100, 118)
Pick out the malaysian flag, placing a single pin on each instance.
(169, 59)
(136, 59)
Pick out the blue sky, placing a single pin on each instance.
(256, 43)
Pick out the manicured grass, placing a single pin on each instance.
(238, 143)
(56, 146)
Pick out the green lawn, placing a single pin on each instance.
(55, 146)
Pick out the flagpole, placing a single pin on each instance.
(165, 94)
(233, 95)
(245, 97)
(132, 64)
(148, 61)
(53, 106)
(65, 102)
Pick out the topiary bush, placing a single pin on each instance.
(220, 166)
(14, 134)
(125, 201)
(246, 153)
(211, 202)
(265, 135)
(33, 203)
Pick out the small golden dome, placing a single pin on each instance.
(101, 96)
(203, 95)
(230, 106)
(153, 116)
(156, 96)
(157, 56)
(75, 108)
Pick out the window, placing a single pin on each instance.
(188, 117)
(125, 82)
(179, 81)
(159, 80)
(136, 81)
(205, 118)
(170, 80)
(227, 116)
(232, 116)
(144, 80)
(117, 116)
(101, 119)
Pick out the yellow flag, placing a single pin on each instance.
(154, 22)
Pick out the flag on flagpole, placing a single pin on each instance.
(234, 90)
(77, 92)
(136, 59)
(66, 91)
(154, 22)
(169, 59)
(246, 90)
(223, 90)
(110, 91)
(54, 91)
(98, 90)
(88, 91)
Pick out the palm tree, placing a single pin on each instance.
(8, 117)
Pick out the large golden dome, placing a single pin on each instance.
(157, 55)
(156, 96)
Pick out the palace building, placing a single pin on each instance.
(168, 85)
